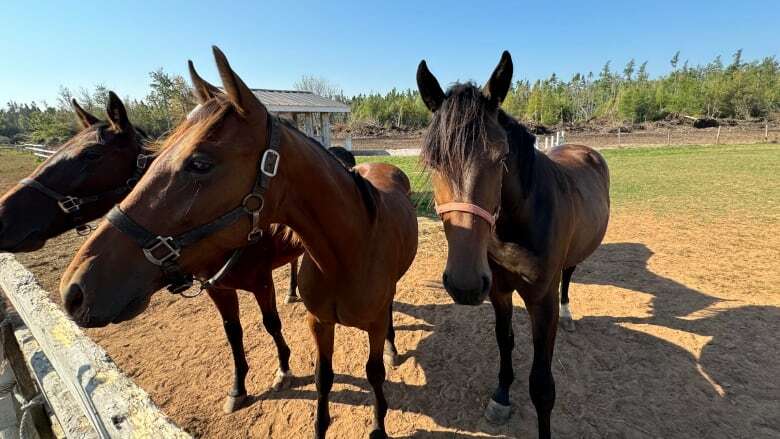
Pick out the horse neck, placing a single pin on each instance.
(322, 203)
(527, 196)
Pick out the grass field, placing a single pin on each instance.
(706, 181)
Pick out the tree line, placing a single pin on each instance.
(740, 90)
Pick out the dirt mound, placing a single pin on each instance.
(371, 129)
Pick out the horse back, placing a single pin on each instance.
(588, 202)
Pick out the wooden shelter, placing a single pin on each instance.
(310, 112)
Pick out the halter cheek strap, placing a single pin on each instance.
(467, 208)
(164, 251)
(71, 205)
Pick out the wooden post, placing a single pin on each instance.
(717, 136)
(669, 137)
(557, 138)
(112, 403)
(619, 141)
(24, 382)
(325, 129)
(308, 124)
(766, 130)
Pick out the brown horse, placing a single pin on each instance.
(107, 159)
(229, 171)
(85, 177)
(515, 219)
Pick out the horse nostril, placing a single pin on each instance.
(73, 299)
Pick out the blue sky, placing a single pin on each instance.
(361, 46)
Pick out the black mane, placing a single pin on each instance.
(457, 133)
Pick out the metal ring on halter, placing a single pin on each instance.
(84, 229)
(254, 213)
(248, 198)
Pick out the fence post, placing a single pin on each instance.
(766, 130)
(557, 138)
(669, 137)
(717, 136)
(619, 141)
(24, 382)
(348, 142)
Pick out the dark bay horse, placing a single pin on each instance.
(94, 171)
(515, 218)
(228, 172)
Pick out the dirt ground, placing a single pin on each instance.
(676, 338)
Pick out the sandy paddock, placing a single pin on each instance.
(676, 337)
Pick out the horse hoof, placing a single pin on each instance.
(567, 325)
(281, 380)
(497, 413)
(377, 434)
(291, 299)
(233, 403)
(391, 360)
(390, 356)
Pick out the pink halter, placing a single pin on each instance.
(467, 208)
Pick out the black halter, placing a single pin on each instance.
(71, 205)
(164, 251)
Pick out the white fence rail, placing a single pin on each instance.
(39, 150)
(549, 142)
(112, 405)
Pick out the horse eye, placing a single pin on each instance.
(199, 166)
(92, 154)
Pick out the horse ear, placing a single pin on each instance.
(239, 94)
(202, 90)
(429, 87)
(86, 120)
(117, 114)
(498, 85)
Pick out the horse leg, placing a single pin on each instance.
(375, 372)
(226, 301)
(391, 353)
(567, 319)
(292, 293)
(544, 324)
(265, 295)
(499, 408)
(323, 371)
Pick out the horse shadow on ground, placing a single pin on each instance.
(711, 373)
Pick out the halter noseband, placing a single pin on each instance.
(468, 208)
(71, 205)
(164, 251)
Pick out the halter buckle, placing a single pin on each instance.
(70, 204)
(168, 245)
(270, 162)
